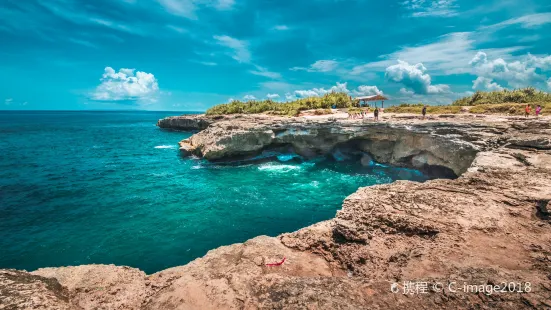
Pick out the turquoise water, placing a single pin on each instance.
(111, 188)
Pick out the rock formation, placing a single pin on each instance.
(189, 122)
(436, 146)
(489, 227)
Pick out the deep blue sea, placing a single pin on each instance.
(111, 188)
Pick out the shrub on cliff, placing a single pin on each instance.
(290, 108)
(508, 108)
(524, 95)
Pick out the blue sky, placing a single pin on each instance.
(191, 54)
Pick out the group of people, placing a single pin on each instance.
(528, 109)
(362, 114)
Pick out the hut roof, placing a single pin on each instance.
(372, 98)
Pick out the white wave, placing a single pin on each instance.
(197, 167)
(277, 168)
(165, 147)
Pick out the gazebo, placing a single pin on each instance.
(367, 99)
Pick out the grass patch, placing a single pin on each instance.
(291, 108)
(524, 95)
(417, 108)
(508, 108)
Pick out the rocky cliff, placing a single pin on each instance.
(489, 227)
(187, 122)
(439, 147)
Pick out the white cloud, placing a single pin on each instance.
(425, 8)
(290, 97)
(365, 90)
(319, 66)
(188, 8)
(178, 7)
(518, 73)
(526, 21)
(208, 63)
(272, 96)
(483, 83)
(177, 29)
(8, 101)
(448, 55)
(240, 49)
(406, 92)
(281, 27)
(362, 90)
(82, 42)
(224, 4)
(126, 86)
(414, 77)
(264, 72)
(479, 58)
(249, 97)
(543, 62)
(549, 83)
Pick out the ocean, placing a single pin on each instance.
(111, 188)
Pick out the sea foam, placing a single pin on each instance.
(165, 146)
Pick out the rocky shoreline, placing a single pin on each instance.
(490, 226)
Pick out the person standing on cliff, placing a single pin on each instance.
(538, 110)
(527, 110)
(376, 113)
(424, 111)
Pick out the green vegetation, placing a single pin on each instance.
(494, 102)
(291, 108)
(322, 112)
(525, 95)
(416, 109)
(507, 108)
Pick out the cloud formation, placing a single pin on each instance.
(272, 96)
(362, 90)
(526, 71)
(188, 8)
(240, 50)
(126, 85)
(526, 21)
(319, 66)
(482, 83)
(414, 77)
(261, 71)
(249, 97)
(425, 8)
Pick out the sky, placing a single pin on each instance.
(188, 55)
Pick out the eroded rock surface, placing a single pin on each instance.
(490, 226)
(186, 122)
(439, 143)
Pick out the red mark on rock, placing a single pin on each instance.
(277, 264)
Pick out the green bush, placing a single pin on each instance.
(507, 108)
(291, 108)
(524, 95)
(323, 111)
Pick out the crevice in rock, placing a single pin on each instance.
(541, 210)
